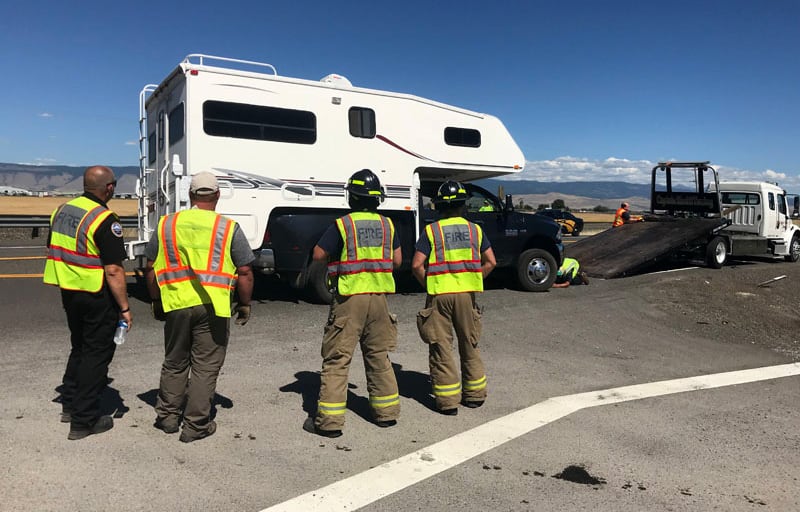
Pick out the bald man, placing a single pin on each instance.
(85, 250)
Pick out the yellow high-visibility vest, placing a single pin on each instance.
(569, 268)
(454, 265)
(73, 258)
(365, 264)
(194, 264)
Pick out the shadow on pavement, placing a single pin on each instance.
(150, 397)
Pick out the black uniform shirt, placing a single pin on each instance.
(108, 236)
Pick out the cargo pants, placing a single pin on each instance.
(358, 319)
(195, 342)
(442, 314)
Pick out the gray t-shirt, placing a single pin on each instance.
(241, 253)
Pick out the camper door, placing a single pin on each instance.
(166, 192)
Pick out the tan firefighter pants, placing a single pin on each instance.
(442, 314)
(365, 320)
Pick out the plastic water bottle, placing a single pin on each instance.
(121, 332)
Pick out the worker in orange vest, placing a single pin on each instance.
(623, 216)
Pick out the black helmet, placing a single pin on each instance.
(450, 192)
(364, 183)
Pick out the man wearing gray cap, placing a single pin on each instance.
(196, 258)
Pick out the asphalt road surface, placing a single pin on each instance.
(625, 395)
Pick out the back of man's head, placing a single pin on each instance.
(204, 188)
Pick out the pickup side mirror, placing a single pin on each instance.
(509, 204)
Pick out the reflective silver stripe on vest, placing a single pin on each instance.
(438, 243)
(351, 267)
(350, 237)
(172, 275)
(68, 222)
(71, 258)
(217, 248)
(171, 250)
(205, 278)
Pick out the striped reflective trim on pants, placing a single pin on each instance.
(332, 408)
(384, 401)
(475, 385)
(447, 389)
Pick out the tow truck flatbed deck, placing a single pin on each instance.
(619, 251)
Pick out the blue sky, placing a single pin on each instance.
(590, 90)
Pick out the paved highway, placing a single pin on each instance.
(706, 426)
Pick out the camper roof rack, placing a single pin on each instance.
(199, 59)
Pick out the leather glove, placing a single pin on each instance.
(242, 314)
(158, 310)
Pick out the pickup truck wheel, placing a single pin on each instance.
(794, 250)
(317, 284)
(716, 252)
(536, 270)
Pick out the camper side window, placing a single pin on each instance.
(362, 122)
(771, 201)
(465, 137)
(176, 129)
(151, 148)
(258, 122)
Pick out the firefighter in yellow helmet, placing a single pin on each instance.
(195, 259)
(85, 250)
(363, 250)
(452, 258)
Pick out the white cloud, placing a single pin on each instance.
(131, 143)
(46, 115)
(568, 168)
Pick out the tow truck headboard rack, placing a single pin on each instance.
(677, 199)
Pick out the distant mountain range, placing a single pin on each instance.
(68, 179)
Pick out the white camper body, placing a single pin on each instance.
(278, 144)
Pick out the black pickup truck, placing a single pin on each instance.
(527, 246)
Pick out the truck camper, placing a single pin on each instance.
(282, 149)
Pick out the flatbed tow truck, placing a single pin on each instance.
(713, 222)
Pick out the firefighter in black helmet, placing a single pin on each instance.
(363, 250)
(451, 260)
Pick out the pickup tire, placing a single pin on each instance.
(794, 250)
(536, 270)
(716, 252)
(317, 286)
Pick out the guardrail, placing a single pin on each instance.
(43, 221)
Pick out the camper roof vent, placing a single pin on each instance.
(336, 80)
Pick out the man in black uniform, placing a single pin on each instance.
(85, 251)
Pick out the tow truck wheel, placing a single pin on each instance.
(794, 250)
(716, 252)
(536, 270)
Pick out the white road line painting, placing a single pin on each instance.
(369, 486)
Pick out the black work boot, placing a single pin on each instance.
(186, 437)
(311, 427)
(168, 425)
(102, 424)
